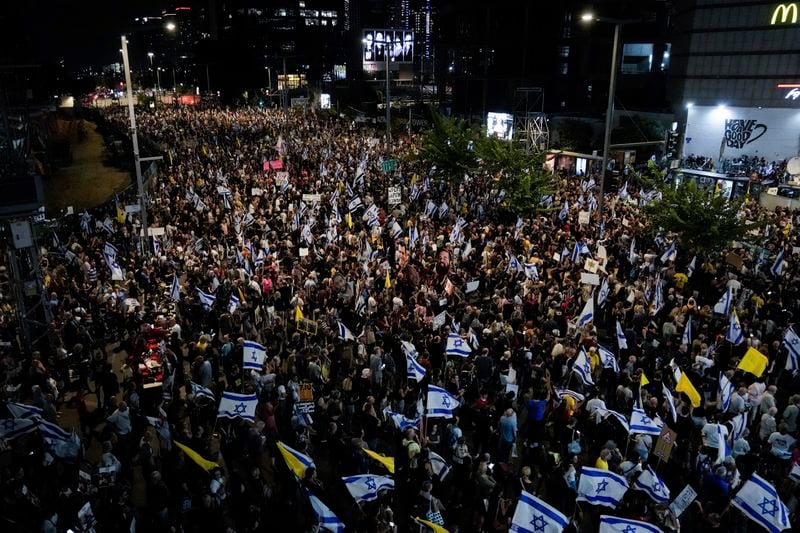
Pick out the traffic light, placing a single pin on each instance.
(673, 145)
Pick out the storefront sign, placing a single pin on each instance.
(785, 13)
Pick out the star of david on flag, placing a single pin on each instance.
(456, 346)
(650, 483)
(534, 515)
(641, 423)
(613, 524)
(601, 487)
(253, 355)
(235, 405)
(582, 368)
(440, 403)
(366, 487)
(759, 501)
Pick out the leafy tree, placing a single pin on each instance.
(447, 148)
(702, 219)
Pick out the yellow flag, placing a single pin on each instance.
(685, 386)
(754, 362)
(388, 462)
(787, 228)
(413, 179)
(433, 527)
(388, 282)
(643, 380)
(296, 461)
(120, 215)
(349, 219)
(298, 314)
(241, 295)
(203, 463)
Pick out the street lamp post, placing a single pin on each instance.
(386, 45)
(612, 87)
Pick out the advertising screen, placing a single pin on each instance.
(500, 125)
(397, 44)
(324, 101)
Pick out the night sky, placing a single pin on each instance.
(81, 32)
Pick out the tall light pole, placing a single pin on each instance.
(150, 55)
(612, 87)
(171, 27)
(386, 45)
(135, 140)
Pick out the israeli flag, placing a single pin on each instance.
(759, 502)
(438, 465)
(430, 209)
(670, 401)
(513, 264)
(206, 299)
(622, 342)
(641, 423)
(564, 211)
(619, 417)
(583, 369)
(11, 428)
(575, 255)
(587, 315)
(473, 339)
(156, 245)
(723, 450)
(344, 333)
(401, 422)
(601, 487)
(23, 410)
(253, 355)
(777, 266)
(531, 272)
(734, 333)
(658, 301)
(456, 346)
(723, 306)
(792, 343)
(608, 359)
(233, 304)
(365, 488)
(235, 405)
(200, 391)
(725, 391)
(533, 515)
(739, 425)
(632, 251)
(413, 236)
(355, 204)
(602, 293)
(623, 192)
(414, 370)
(440, 403)
(563, 393)
(649, 482)
(414, 194)
(53, 431)
(85, 219)
(397, 231)
(670, 254)
(687, 333)
(692, 265)
(613, 524)
(325, 517)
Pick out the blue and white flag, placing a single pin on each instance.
(608, 359)
(692, 265)
(601, 487)
(23, 410)
(563, 393)
(11, 428)
(235, 405)
(734, 333)
(456, 346)
(619, 417)
(430, 208)
(564, 211)
(514, 264)
(365, 488)
(777, 266)
(602, 293)
(156, 245)
(518, 228)
(200, 391)
(623, 192)
(325, 517)
(441, 403)
(792, 343)
(587, 314)
(641, 423)
(632, 251)
(724, 449)
(396, 230)
(53, 431)
(207, 300)
(414, 370)
(759, 501)
(401, 422)
(658, 300)
(110, 255)
(687, 332)
(85, 219)
(355, 204)
(175, 291)
(413, 236)
(614, 524)
(670, 254)
(739, 423)
(414, 193)
(443, 210)
(670, 401)
(233, 304)
(582, 368)
(649, 482)
(725, 391)
(473, 339)
(533, 515)
(253, 355)
(531, 272)
(622, 342)
(344, 333)
(724, 305)
(439, 466)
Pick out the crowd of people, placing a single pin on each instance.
(278, 230)
(769, 172)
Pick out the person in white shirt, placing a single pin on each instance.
(781, 442)
(768, 424)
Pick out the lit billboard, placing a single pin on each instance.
(500, 125)
(398, 45)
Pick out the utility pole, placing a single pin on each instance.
(388, 99)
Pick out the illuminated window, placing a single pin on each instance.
(324, 22)
(563, 68)
(637, 58)
(301, 3)
(563, 51)
(329, 14)
(312, 22)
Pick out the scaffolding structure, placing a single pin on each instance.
(530, 122)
